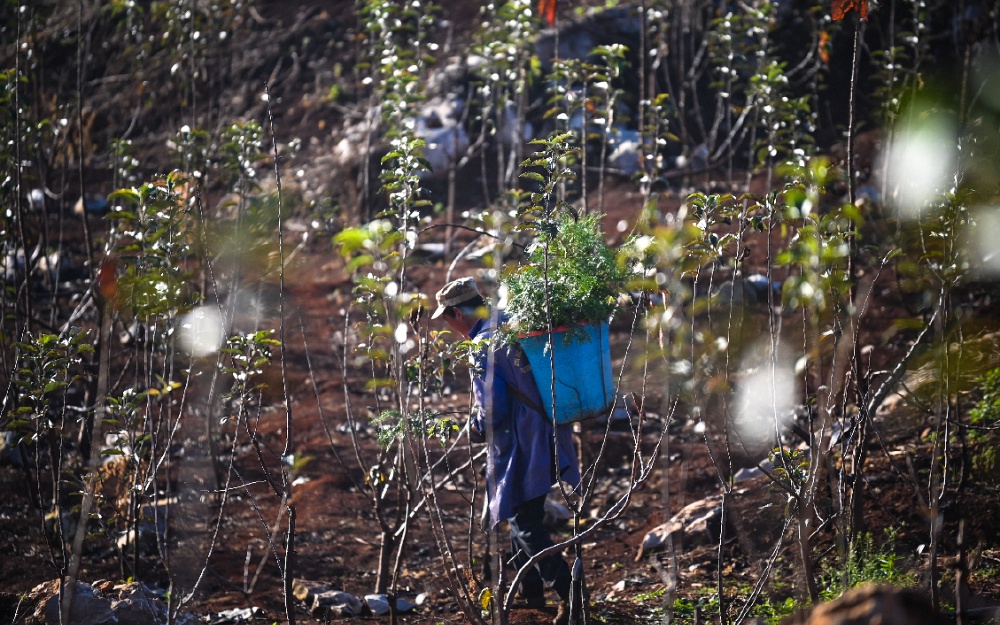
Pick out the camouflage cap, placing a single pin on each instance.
(454, 293)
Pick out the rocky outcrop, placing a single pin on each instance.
(872, 605)
(101, 603)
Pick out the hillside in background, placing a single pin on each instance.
(222, 220)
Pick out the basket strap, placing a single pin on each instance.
(521, 397)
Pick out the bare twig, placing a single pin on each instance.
(286, 490)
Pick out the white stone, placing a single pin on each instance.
(338, 602)
(695, 524)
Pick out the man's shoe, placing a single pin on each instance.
(534, 602)
(562, 616)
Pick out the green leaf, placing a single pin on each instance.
(54, 386)
(351, 239)
(127, 195)
(359, 261)
(378, 383)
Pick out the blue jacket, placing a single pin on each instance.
(519, 463)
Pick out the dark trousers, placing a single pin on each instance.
(528, 536)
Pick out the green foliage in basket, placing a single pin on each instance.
(585, 277)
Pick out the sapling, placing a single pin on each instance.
(49, 365)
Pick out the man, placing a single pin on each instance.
(520, 462)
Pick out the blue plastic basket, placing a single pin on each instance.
(583, 386)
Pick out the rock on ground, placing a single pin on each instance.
(102, 603)
(696, 524)
(872, 604)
